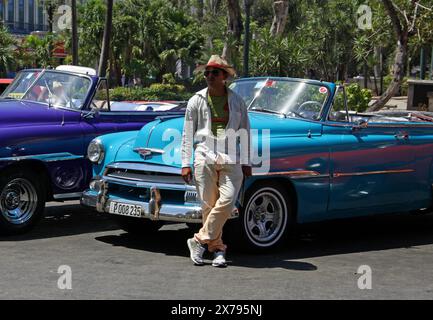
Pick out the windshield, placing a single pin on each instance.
(20, 84)
(286, 97)
(54, 88)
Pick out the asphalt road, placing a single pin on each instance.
(321, 263)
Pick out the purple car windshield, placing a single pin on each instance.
(53, 88)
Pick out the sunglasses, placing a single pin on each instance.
(214, 72)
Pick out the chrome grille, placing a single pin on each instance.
(144, 173)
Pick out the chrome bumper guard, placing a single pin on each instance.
(155, 209)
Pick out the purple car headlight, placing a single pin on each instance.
(95, 151)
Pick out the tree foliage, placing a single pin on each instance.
(315, 38)
(6, 49)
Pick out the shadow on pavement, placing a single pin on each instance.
(310, 241)
(66, 220)
(173, 243)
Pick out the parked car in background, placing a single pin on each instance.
(4, 82)
(322, 162)
(47, 120)
(148, 105)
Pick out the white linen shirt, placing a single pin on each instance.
(197, 132)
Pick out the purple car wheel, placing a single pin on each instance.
(22, 200)
(18, 201)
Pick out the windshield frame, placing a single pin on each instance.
(44, 71)
(317, 83)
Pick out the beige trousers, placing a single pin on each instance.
(218, 187)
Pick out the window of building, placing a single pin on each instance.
(11, 11)
(32, 14)
(21, 14)
(2, 14)
(40, 17)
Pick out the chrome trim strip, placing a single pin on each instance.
(147, 184)
(49, 157)
(61, 196)
(350, 125)
(151, 131)
(297, 174)
(144, 167)
(352, 174)
(147, 178)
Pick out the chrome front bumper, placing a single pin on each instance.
(155, 209)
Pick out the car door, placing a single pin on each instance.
(69, 172)
(372, 164)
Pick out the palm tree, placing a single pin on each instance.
(74, 33)
(234, 30)
(106, 40)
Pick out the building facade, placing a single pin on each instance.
(22, 17)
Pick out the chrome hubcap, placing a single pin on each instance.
(18, 201)
(265, 217)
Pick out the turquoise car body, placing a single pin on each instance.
(334, 169)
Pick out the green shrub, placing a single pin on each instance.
(155, 92)
(168, 78)
(357, 98)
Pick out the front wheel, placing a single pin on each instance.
(22, 201)
(264, 220)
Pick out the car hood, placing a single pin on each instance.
(166, 134)
(18, 112)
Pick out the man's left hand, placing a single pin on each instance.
(247, 171)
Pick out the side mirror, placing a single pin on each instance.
(360, 124)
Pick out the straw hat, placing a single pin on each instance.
(216, 61)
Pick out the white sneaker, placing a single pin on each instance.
(196, 250)
(219, 260)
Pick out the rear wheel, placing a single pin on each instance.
(265, 219)
(22, 201)
(136, 226)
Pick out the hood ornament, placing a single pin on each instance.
(146, 152)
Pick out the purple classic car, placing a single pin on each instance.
(48, 118)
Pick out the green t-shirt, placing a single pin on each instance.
(220, 113)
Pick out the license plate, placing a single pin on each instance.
(123, 209)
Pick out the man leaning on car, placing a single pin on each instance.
(211, 116)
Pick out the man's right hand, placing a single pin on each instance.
(187, 174)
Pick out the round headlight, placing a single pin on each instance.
(95, 151)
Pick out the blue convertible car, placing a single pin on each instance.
(314, 159)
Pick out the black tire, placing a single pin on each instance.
(262, 229)
(137, 226)
(22, 201)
